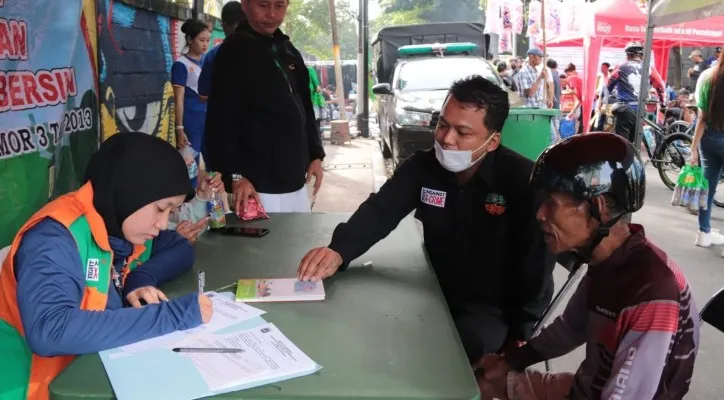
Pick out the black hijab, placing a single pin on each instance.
(132, 170)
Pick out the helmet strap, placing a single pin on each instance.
(604, 229)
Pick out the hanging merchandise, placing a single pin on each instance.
(493, 23)
(534, 10)
(504, 44)
(553, 17)
(568, 16)
(516, 9)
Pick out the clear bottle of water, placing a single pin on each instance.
(216, 209)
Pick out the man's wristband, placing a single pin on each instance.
(236, 177)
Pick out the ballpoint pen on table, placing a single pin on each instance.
(216, 350)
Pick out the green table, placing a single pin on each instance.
(384, 331)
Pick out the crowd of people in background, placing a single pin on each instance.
(615, 99)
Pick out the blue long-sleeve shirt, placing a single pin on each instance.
(207, 67)
(50, 278)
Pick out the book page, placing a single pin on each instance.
(285, 289)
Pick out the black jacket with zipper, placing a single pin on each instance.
(259, 121)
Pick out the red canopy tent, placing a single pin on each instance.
(613, 23)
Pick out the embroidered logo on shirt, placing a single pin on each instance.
(292, 67)
(495, 204)
(92, 270)
(433, 197)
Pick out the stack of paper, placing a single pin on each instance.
(268, 354)
(226, 313)
(273, 290)
(151, 370)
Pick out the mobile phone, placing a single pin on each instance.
(242, 231)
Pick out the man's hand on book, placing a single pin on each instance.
(319, 264)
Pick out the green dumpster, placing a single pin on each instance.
(527, 131)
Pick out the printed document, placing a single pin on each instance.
(226, 313)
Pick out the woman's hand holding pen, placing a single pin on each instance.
(206, 307)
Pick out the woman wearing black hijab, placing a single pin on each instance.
(100, 248)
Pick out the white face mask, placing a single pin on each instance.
(458, 160)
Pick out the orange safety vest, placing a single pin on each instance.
(22, 373)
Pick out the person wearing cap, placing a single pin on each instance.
(532, 84)
(471, 195)
(633, 309)
(714, 58)
(623, 85)
(535, 85)
(698, 66)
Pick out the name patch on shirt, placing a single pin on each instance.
(433, 197)
(92, 270)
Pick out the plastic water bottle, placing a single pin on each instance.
(649, 137)
(216, 209)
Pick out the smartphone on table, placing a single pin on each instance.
(244, 231)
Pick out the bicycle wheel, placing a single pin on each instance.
(671, 155)
(677, 127)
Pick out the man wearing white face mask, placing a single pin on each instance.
(478, 213)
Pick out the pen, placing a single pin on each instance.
(202, 282)
(207, 350)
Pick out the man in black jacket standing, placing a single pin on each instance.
(260, 126)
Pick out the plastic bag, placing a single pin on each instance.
(692, 189)
(567, 128)
(189, 155)
(254, 211)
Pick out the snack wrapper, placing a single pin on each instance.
(254, 211)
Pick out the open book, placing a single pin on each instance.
(274, 290)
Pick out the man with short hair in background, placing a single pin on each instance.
(261, 132)
(698, 66)
(714, 58)
(231, 14)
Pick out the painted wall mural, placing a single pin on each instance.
(136, 51)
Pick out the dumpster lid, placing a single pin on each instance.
(534, 111)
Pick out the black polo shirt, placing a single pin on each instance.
(482, 237)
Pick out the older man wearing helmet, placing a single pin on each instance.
(633, 309)
(625, 85)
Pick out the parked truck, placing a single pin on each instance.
(415, 66)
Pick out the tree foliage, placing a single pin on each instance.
(405, 12)
(307, 24)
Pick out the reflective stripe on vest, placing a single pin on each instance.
(22, 373)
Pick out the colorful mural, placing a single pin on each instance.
(136, 51)
(73, 73)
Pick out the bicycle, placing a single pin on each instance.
(671, 150)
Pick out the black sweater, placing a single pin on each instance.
(260, 121)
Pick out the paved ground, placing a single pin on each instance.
(356, 170)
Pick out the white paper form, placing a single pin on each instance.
(226, 313)
(281, 356)
(223, 370)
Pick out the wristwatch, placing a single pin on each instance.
(236, 177)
